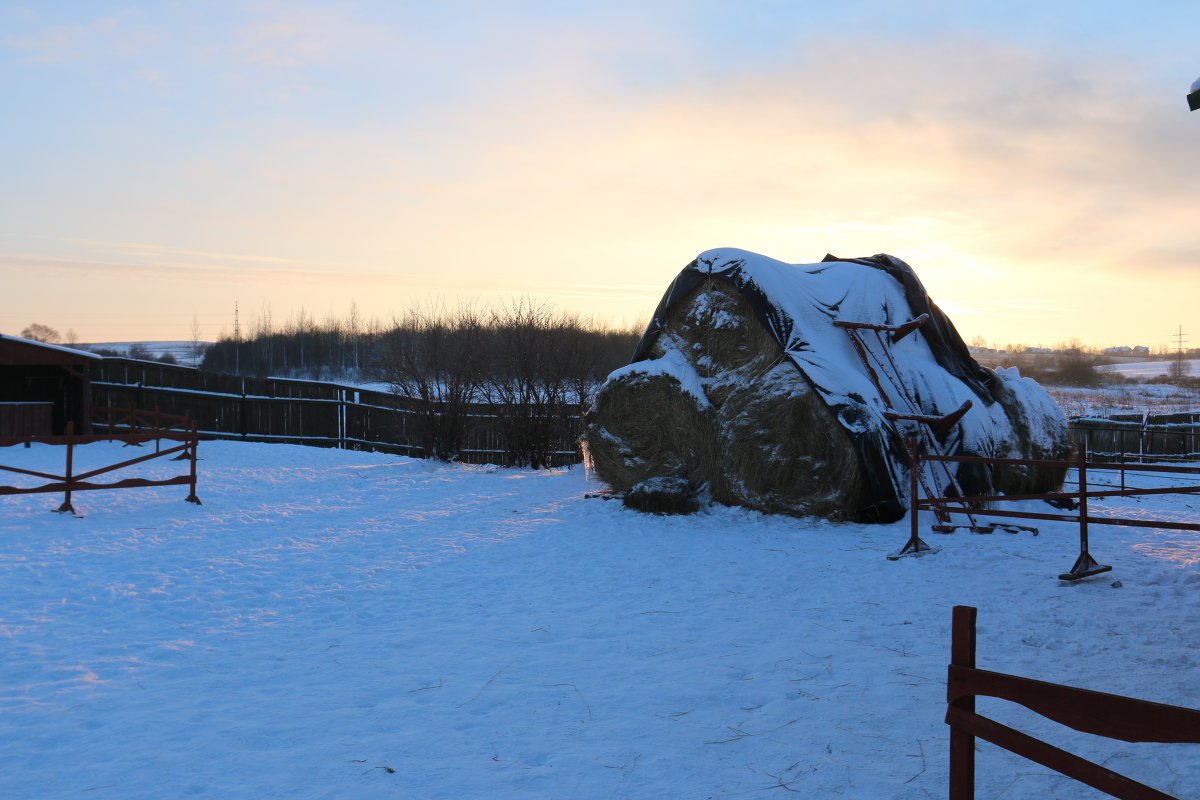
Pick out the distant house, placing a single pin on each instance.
(43, 387)
(1126, 350)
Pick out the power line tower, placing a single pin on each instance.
(1179, 368)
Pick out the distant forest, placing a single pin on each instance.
(535, 368)
(434, 338)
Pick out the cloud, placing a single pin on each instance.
(298, 36)
(118, 35)
(159, 251)
(580, 152)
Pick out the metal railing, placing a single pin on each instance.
(1108, 715)
(982, 505)
(139, 427)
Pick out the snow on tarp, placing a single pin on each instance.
(799, 304)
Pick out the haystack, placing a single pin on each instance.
(744, 391)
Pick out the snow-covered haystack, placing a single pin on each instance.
(744, 389)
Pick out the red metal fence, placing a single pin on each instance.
(981, 505)
(1108, 715)
(129, 426)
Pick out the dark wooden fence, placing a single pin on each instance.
(34, 418)
(1160, 437)
(1108, 715)
(299, 411)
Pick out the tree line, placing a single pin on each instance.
(527, 369)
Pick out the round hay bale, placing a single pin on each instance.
(644, 426)
(717, 330)
(766, 442)
(666, 495)
(780, 450)
(778, 447)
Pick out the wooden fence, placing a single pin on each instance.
(300, 412)
(1108, 715)
(1161, 437)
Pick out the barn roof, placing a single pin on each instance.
(28, 352)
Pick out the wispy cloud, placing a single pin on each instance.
(159, 251)
(589, 156)
(298, 35)
(120, 35)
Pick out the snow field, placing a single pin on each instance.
(1143, 398)
(1149, 369)
(333, 624)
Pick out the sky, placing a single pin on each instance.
(163, 162)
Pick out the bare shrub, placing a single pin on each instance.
(433, 361)
(540, 374)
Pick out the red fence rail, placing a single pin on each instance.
(980, 505)
(130, 426)
(134, 419)
(1108, 715)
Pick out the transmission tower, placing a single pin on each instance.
(1179, 338)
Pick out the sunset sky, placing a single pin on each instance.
(1034, 161)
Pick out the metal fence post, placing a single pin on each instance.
(69, 480)
(914, 546)
(192, 498)
(1085, 565)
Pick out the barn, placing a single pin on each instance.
(43, 387)
(795, 388)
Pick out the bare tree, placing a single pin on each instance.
(354, 331)
(197, 347)
(41, 333)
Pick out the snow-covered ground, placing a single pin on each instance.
(185, 352)
(333, 624)
(1149, 369)
(1142, 398)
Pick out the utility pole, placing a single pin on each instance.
(1179, 338)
